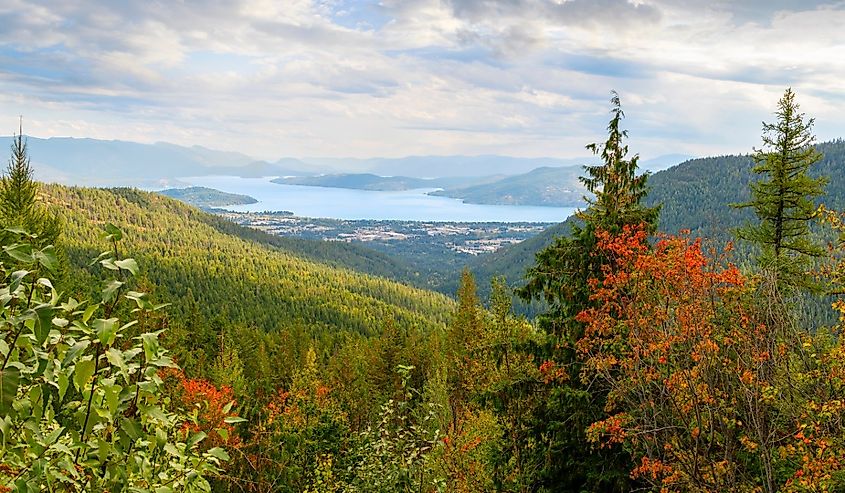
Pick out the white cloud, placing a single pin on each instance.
(521, 77)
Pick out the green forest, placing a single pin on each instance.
(686, 338)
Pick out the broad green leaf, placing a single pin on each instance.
(195, 439)
(110, 290)
(112, 232)
(155, 412)
(137, 297)
(47, 258)
(63, 383)
(17, 277)
(115, 357)
(219, 453)
(132, 428)
(106, 330)
(112, 395)
(83, 373)
(234, 419)
(19, 231)
(100, 257)
(43, 322)
(88, 312)
(10, 378)
(150, 342)
(128, 264)
(109, 264)
(20, 252)
(172, 450)
(73, 352)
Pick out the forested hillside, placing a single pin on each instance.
(192, 256)
(553, 187)
(695, 195)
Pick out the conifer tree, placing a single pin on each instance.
(561, 278)
(617, 188)
(19, 206)
(464, 331)
(784, 198)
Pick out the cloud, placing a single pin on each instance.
(399, 77)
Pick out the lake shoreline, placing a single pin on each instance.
(353, 204)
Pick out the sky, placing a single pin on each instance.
(338, 78)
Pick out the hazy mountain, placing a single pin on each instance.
(546, 186)
(442, 166)
(113, 162)
(458, 166)
(369, 181)
(558, 187)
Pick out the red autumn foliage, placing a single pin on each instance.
(664, 336)
(210, 404)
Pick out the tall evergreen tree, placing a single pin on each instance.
(617, 188)
(784, 198)
(561, 278)
(19, 205)
(464, 330)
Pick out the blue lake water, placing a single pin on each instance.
(341, 203)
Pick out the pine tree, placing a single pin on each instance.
(784, 198)
(19, 207)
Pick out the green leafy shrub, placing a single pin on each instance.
(81, 406)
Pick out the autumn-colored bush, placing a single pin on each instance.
(710, 381)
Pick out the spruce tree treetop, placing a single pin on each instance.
(19, 205)
(784, 199)
(617, 188)
(17, 190)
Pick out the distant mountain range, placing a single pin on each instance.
(369, 181)
(544, 186)
(120, 163)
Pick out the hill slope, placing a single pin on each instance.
(206, 197)
(546, 186)
(235, 274)
(695, 195)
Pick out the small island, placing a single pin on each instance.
(359, 181)
(206, 198)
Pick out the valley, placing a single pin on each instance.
(392, 236)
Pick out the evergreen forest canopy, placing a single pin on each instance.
(149, 346)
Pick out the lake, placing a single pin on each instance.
(341, 203)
